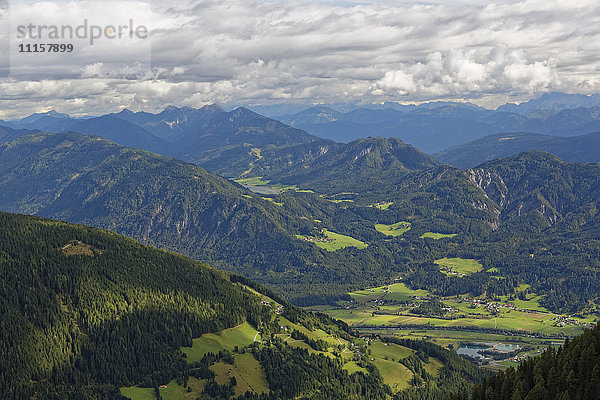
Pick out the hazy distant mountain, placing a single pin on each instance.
(433, 129)
(585, 148)
(553, 101)
(40, 121)
(189, 133)
(38, 116)
(312, 115)
(429, 129)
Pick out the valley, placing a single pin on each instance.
(456, 322)
(397, 364)
(412, 275)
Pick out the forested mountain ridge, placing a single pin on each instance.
(181, 207)
(324, 166)
(161, 201)
(7, 134)
(500, 213)
(82, 308)
(365, 162)
(540, 182)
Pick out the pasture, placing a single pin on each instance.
(396, 229)
(334, 241)
(437, 236)
(459, 266)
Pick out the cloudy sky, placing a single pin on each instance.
(265, 52)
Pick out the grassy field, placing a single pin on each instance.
(256, 181)
(353, 367)
(438, 236)
(241, 335)
(459, 266)
(394, 292)
(173, 391)
(383, 206)
(247, 372)
(138, 393)
(390, 351)
(478, 317)
(396, 229)
(334, 241)
(394, 374)
(272, 201)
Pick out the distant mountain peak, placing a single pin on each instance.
(213, 107)
(52, 113)
(125, 111)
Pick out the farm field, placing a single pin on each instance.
(396, 229)
(459, 266)
(438, 236)
(334, 241)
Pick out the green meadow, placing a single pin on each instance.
(438, 236)
(334, 241)
(383, 206)
(272, 201)
(396, 375)
(256, 181)
(138, 393)
(396, 229)
(459, 266)
(246, 370)
(241, 335)
(353, 367)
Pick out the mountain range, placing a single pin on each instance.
(582, 148)
(193, 134)
(435, 129)
(181, 207)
